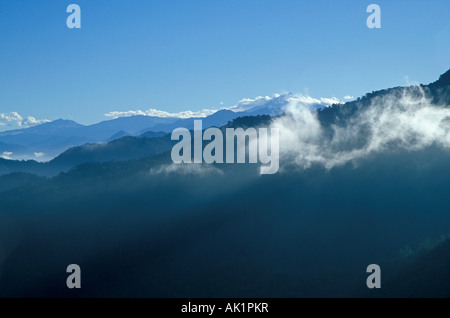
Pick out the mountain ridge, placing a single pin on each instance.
(338, 115)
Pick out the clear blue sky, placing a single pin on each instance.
(179, 55)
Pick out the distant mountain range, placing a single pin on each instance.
(65, 144)
(46, 141)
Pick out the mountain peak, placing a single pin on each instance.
(62, 122)
(222, 111)
(444, 79)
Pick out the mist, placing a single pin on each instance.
(407, 122)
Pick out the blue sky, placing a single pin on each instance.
(180, 55)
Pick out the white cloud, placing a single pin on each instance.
(31, 121)
(312, 103)
(6, 155)
(38, 154)
(18, 119)
(409, 122)
(247, 103)
(242, 105)
(348, 97)
(161, 113)
(13, 116)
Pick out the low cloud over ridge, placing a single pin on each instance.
(409, 121)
